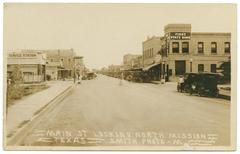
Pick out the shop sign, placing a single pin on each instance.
(180, 36)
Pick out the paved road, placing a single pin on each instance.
(103, 112)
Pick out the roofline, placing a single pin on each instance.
(177, 25)
(211, 33)
(151, 38)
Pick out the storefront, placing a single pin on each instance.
(30, 66)
(185, 51)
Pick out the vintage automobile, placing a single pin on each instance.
(89, 76)
(207, 84)
(189, 79)
(136, 76)
(203, 84)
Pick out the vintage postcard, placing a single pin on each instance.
(124, 76)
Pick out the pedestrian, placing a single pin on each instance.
(122, 76)
(181, 82)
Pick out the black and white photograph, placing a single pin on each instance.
(119, 76)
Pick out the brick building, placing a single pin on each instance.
(60, 62)
(186, 51)
(183, 51)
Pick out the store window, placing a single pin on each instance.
(214, 47)
(200, 68)
(175, 47)
(227, 47)
(28, 73)
(213, 68)
(185, 47)
(200, 47)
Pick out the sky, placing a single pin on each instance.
(103, 33)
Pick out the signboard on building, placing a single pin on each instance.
(22, 55)
(180, 36)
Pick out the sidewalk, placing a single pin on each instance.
(23, 110)
(224, 90)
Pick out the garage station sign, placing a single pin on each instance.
(22, 55)
(180, 36)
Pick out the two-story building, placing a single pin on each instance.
(185, 51)
(151, 57)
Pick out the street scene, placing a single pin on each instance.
(90, 109)
(82, 83)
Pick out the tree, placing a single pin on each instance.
(16, 76)
(225, 69)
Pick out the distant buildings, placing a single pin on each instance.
(131, 61)
(60, 63)
(115, 68)
(180, 51)
(41, 65)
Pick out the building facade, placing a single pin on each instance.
(151, 48)
(185, 51)
(151, 57)
(60, 63)
(128, 61)
(31, 66)
(137, 62)
(182, 51)
(79, 66)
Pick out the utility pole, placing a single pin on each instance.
(74, 70)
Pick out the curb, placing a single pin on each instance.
(227, 97)
(17, 138)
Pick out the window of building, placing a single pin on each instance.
(185, 47)
(28, 73)
(227, 47)
(152, 52)
(213, 68)
(175, 47)
(200, 47)
(200, 67)
(214, 47)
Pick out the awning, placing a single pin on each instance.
(133, 69)
(150, 66)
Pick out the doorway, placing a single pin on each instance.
(180, 67)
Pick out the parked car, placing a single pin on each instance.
(203, 84)
(207, 84)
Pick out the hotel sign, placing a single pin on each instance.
(180, 36)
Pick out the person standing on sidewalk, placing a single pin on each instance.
(181, 82)
(122, 77)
